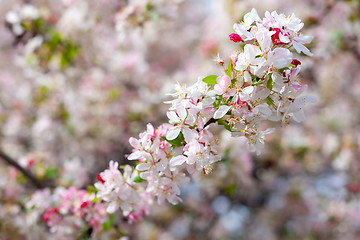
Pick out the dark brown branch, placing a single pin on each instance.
(26, 173)
(212, 120)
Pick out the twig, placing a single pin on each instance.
(16, 165)
(212, 120)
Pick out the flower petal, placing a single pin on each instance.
(221, 111)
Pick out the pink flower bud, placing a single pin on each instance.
(100, 178)
(235, 37)
(296, 62)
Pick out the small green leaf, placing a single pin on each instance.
(228, 71)
(51, 173)
(269, 101)
(91, 189)
(230, 189)
(211, 79)
(138, 179)
(270, 83)
(225, 124)
(106, 226)
(177, 142)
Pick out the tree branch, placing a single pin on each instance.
(211, 120)
(16, 165)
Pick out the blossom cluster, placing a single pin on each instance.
(259, 84)
(68, 208)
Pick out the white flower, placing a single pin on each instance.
(280, 57)
(298, 44)
(248, 57)
(181, 120)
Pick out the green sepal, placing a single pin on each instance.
(270, 83)
(269, 101)
(138, 179)
(228, 71)
(211, 79)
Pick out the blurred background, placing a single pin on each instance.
(79, 77)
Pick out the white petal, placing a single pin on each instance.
(135, 155)
(221, 111)
(162, 165)
(284, 39)
(251, 51)
(188, 134)
(172, 133)
(301, 48)
(299, 116)
(282, 57)
(113, 206)
(142, 166)
(178, 160)
(181, 111)
(245, 93)
(173, 117)
(247, 77)
(304, 39)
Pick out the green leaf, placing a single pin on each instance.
(106, 226)
(211, 79)
(269, 101)
(230, 189)
(138, 179)
(51, 173)
(225, 124)
(228, 71)
(177, 142)
(114, 93)
(91, 189)
(256, 80)
(270, 83)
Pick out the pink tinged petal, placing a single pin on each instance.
(263, 93)
(223, 81)
(190, 168)
(232, 92)
(134, 142)
(150, 128)
(221, 111)
(172, 133)
(178, 160)
(218, 89)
